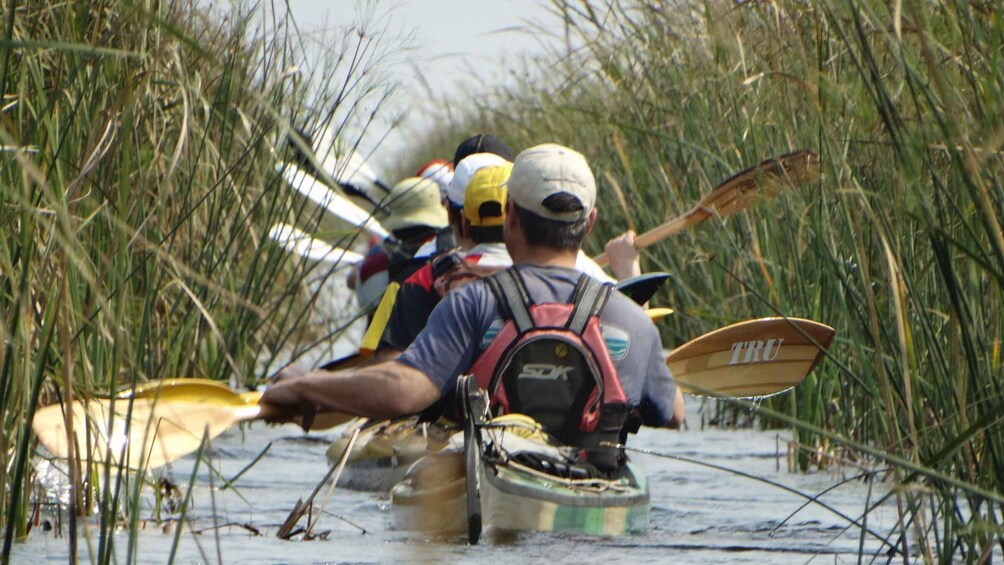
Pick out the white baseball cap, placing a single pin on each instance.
(465, 170)
(545, 170)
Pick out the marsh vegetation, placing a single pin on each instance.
(140, 144)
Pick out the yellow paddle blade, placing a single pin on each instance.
(145, 432)
(153, 423)
(656, 314)
(193, 389)
(751, 358)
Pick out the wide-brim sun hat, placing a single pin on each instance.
(414, 202)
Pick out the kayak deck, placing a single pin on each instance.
(384, 451)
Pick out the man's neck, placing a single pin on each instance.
(545, 257)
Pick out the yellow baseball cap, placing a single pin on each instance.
(485, 196)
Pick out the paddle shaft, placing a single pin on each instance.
(735, 194)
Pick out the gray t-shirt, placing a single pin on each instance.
(467, 320)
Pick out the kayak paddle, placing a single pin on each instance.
(737, 193)
(343, 208)
(297, 241)
(752, 358)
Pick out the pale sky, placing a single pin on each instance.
(450, 37)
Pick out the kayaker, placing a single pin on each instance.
(415, 218)
(550, 209)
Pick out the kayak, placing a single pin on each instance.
(384, 450)
(521, 498)
(525, 482)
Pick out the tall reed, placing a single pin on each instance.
(899, 246)
(140, 144)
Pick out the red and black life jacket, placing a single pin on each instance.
(549, 361)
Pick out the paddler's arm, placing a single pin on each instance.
(383, 354)
(386, 390)
(394, 388)
(679, 410)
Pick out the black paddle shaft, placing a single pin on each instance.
(475, 404)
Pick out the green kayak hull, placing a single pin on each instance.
(514, 498)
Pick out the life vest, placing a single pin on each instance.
(550, 362)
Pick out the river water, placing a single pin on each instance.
(699, 514)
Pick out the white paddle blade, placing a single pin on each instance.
(354, 170)
(338, 205)
(151, 435)
(296, 241)
(752, 358)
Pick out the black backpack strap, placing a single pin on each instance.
(589, 298)
(512, 297)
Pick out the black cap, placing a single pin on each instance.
(482, 143)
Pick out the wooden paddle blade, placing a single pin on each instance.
(765, 179)
(151, 434)
(737, 193)
(752, 358)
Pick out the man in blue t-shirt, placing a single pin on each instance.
(550, 209)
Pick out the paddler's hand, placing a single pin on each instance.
(623, 255)
(283, 402)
